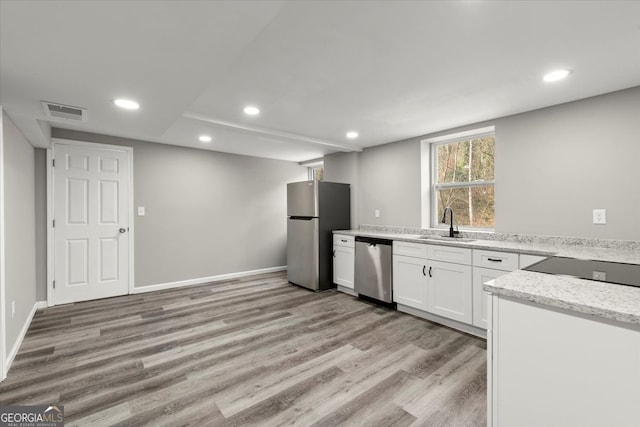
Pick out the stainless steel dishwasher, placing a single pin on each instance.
(373, 268)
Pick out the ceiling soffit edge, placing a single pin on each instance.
(270, 132)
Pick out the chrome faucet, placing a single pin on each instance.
(452, 233)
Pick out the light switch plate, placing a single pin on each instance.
(599, 216)
(377, 212)
(140, 210)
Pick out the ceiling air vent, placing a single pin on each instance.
(64, 112)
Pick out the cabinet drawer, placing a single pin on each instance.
(449, 254)
(417, 250)
(344, 240)
(504, 261)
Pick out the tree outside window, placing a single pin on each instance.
(464, 180)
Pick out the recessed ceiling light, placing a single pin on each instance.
(352, 134)
(127, 104)
(204, 138)
(251, 111)
(556, 75)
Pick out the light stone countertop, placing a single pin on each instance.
(606, 300)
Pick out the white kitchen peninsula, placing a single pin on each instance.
(562, 351)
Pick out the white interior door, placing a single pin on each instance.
(91, 212)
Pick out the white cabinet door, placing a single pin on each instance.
(410, 281)
(343, 266)
(480, 276)
(449, 290)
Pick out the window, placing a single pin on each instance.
(316, 173)
(315, 169)
(462, 178)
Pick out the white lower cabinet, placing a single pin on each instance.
(343, 266)
(449, 290)
(447, 281)
(410, 281)
(488, 265)
(343, 260)
(424, 280)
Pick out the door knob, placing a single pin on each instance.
(123, 230)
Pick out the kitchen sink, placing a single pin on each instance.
(447, 238)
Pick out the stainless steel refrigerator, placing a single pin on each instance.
(314, 210)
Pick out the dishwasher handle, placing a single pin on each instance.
(373, 241)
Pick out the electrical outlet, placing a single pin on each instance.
(377, 212)
(13, 308)
(140, 210)
(599, 216)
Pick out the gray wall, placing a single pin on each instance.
(19, 229)
(386, 178)
(343, 167)
(207, 213)
(553, 167)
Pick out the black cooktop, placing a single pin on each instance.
(601, 271)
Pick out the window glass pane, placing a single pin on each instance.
(472, 207)
(316, 173)
(466, 161)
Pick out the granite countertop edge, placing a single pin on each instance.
(605, 300)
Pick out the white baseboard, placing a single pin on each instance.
(203, 280)
(16, 346)
(41, 304)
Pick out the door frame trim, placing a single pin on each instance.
(50, 206)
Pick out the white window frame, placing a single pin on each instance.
(429, 175)
(311, 167)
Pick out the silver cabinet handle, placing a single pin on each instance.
(494, 260)
(343, 240)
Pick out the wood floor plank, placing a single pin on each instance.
(355, 411)
(238, 398)
(247, 351)
(361, 374)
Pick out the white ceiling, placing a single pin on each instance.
(388, 69)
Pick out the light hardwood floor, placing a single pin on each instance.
(252, 351)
